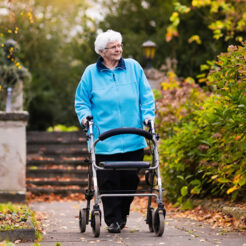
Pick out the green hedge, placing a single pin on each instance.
(205, 154)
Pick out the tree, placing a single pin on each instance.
(190, 36)
(201, 29)
(48, 32)
(139, 21)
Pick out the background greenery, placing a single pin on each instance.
(57, 38)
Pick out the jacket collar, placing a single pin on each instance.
(101, 67)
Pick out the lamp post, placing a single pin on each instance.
(149, 49)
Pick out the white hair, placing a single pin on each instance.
(106, 37)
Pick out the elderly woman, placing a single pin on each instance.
(117, 94)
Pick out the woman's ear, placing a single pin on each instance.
(101, 52)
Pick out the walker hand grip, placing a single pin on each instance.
(89, 118)
(125, 130)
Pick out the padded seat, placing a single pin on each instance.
(124, 164)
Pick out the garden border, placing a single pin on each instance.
(27, 234)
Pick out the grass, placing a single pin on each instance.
(15, 216)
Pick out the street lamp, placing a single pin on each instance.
(149, 49)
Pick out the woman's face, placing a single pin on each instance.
(113, 51)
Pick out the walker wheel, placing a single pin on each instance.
(82, 220)
(96, 223)
(151, 219)
(158, 223)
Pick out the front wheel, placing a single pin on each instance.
(159, 223)
(96, 223)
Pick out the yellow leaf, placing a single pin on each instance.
(237, 178)
(229, 191)
(195, 38)
(214, 176)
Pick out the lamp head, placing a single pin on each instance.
(149, 49)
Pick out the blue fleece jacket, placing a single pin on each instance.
(115, 98)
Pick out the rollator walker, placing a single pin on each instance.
(155, 217)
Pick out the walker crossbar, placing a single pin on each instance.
(127, 195)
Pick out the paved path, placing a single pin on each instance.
(61, 225)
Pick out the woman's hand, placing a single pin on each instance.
(84, 122)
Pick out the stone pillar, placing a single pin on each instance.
(13, 156)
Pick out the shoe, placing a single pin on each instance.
(123, 223)
(114, 228)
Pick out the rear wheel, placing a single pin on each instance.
(82, 220)
(159, 223)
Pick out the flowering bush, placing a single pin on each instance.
(11, 70)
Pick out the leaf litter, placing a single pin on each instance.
(214, 218)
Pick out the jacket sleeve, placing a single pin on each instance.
(82, 100)
(147, 101)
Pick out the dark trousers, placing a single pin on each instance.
(117, 208)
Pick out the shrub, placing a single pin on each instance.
(176, 103)
(62, 128)
(205, 154)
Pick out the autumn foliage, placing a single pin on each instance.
(225, 18)
(203, 150)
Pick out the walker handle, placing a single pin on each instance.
(88, 119)
(125, 130)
